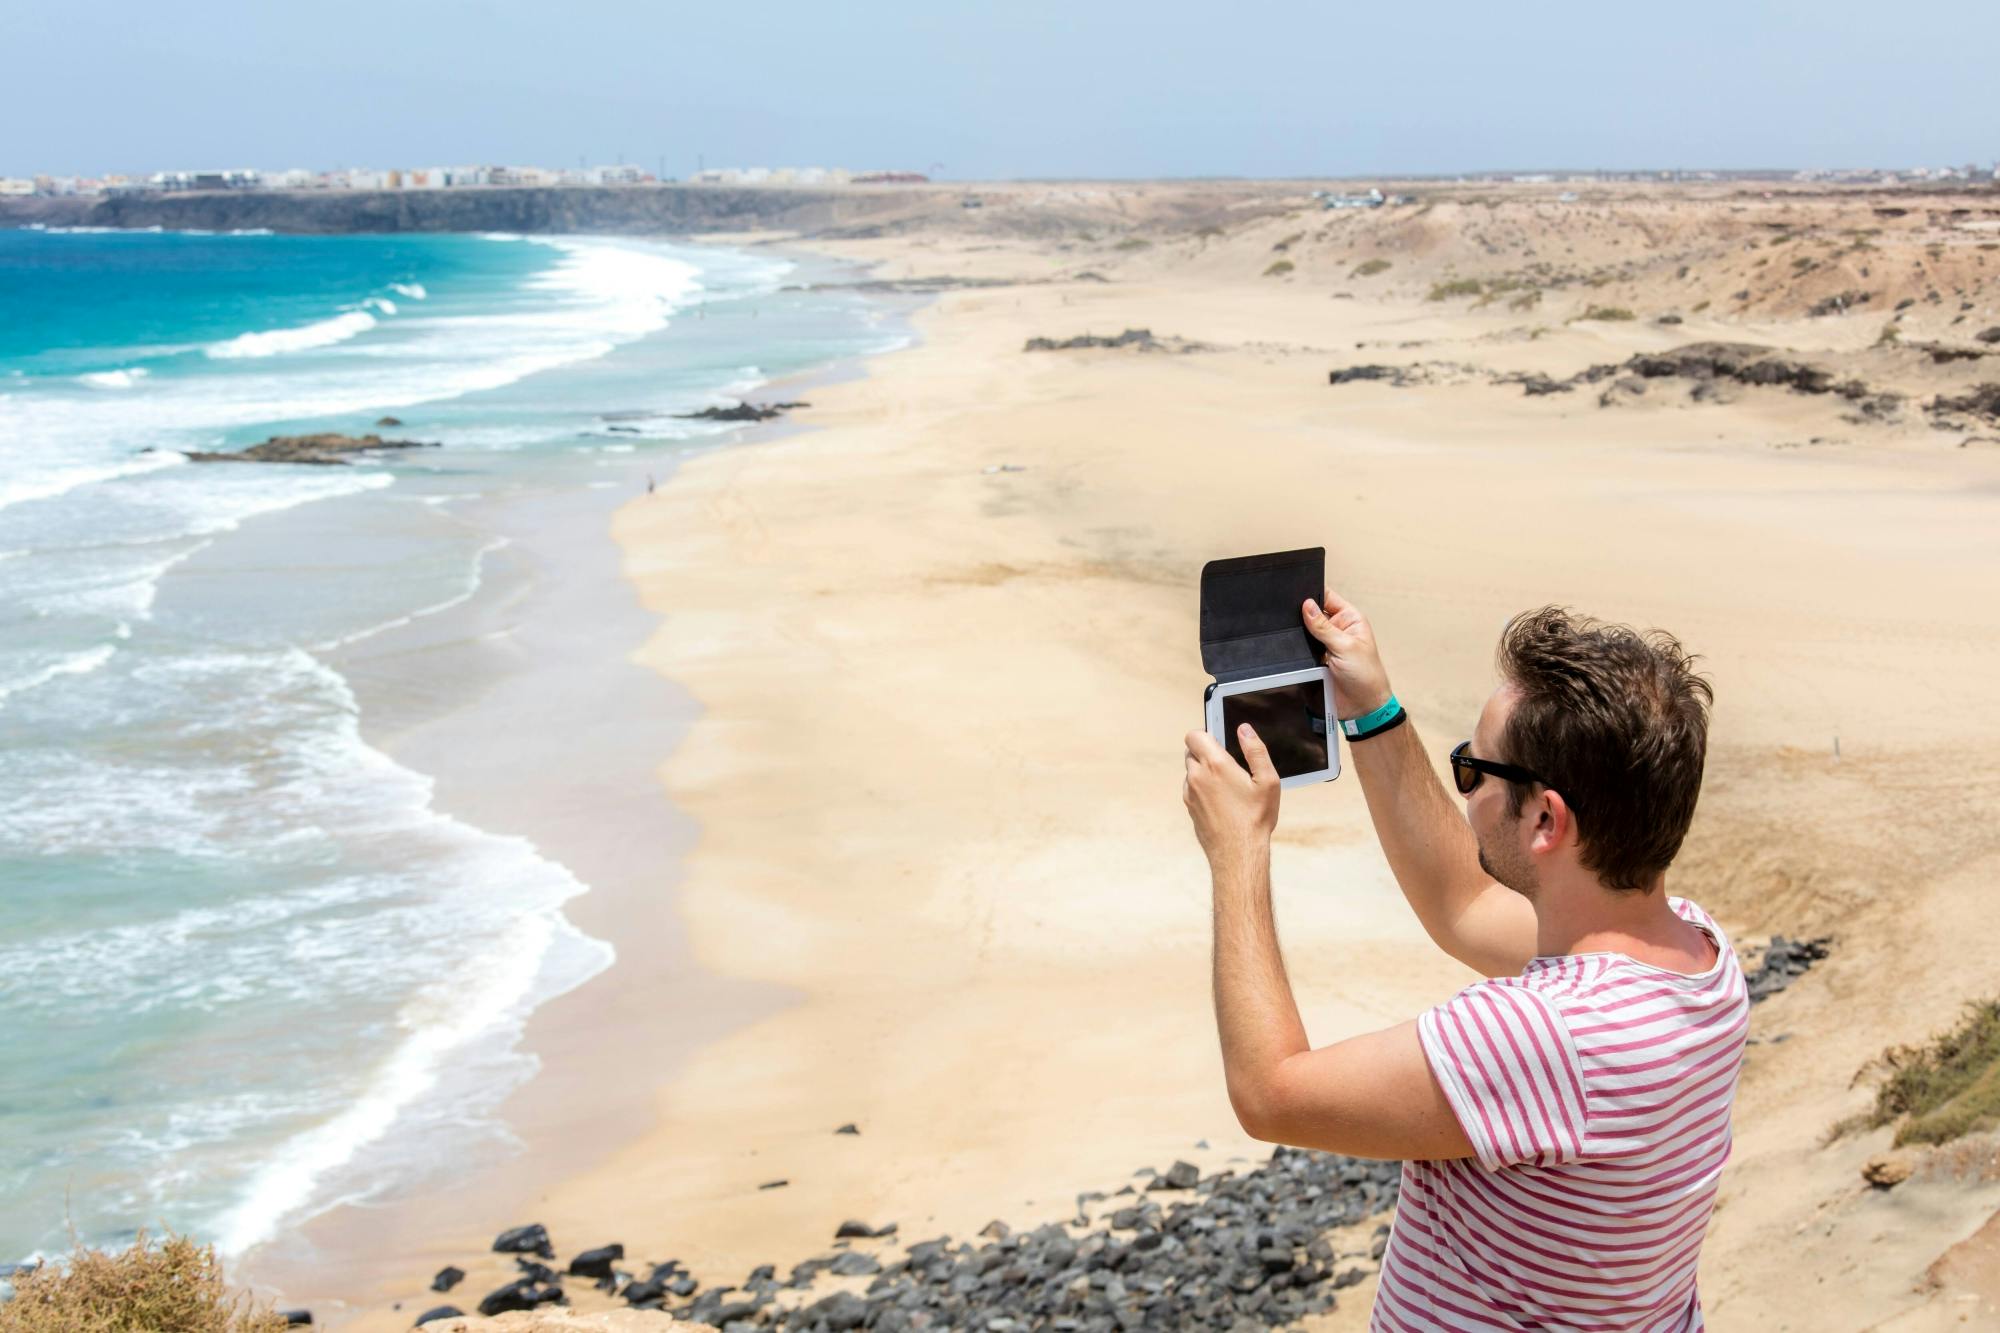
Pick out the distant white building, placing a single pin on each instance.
(242, 178)
(1373, 199)
(16, 185)
(520, 176)
(366, 178)
(298, 178)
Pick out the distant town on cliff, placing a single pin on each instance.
(626, 174)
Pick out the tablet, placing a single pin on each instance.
(1292, 712)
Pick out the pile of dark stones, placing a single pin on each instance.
(1225, 1251)
(1403, 377)
(1784, 962)
(1981, 402)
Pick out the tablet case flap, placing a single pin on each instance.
(1251, 623)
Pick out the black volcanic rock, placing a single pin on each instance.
(596, 1263)
(740, 412)
(439, 1312)
(447, 1278)
(523, 1295)
(328, 448)
(1784, 962)
(530, 1239)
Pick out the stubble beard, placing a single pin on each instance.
(1515, 873)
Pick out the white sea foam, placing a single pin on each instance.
(494, 990)
(274, 342)
(414, 290)
(476, 915)
(113, 379)
(381, 303)
(47, 483)
(76, 664)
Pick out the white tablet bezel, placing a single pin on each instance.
(1251, 685)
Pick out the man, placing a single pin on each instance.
(1563, 1124)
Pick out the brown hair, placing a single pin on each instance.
(1615, 720)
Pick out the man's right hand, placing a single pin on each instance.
(1360, 685)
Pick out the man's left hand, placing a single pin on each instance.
(1234, 810)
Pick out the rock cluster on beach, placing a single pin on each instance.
(1709, 367)
(1225, 1251)
(1138, 340)
(1784, 962)
(323, 449)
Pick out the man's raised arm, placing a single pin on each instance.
(1423, 833)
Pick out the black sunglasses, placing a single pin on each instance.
(1467, 771)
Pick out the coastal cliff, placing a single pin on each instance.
(629, 210)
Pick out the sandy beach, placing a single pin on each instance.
(940, 650)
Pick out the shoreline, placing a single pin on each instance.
(550, 634)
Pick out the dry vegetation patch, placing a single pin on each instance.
(1946, 1087)
(174, 1286)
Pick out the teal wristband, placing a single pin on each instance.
(1355, 727)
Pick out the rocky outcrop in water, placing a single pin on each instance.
(324, 449)
(740, 412)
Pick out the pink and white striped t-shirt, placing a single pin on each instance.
(1596, 1091)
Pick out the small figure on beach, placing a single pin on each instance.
(649, 483)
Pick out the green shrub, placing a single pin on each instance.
(1203, 233)
(1279, 269)
(1288, 242)
(1369, 268)
(1948, 1087)
(1456, 287)
(1133, 243)
(1609, 312)
(1698, 309)
(1527, 300)
(1891, 334)
(174, 1286)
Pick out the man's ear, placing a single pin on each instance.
(1553, 821)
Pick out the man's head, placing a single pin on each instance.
(1614, 725)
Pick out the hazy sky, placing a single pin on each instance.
(1024, 88)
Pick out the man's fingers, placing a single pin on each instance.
(1202, 747)
(1261, 767)
(1323, 627)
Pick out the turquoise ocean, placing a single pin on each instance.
(245, 962)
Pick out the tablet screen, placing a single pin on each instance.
(1291, 721)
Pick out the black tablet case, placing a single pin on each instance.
(1252, 623)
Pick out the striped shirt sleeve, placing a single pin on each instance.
(1509, 1069)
